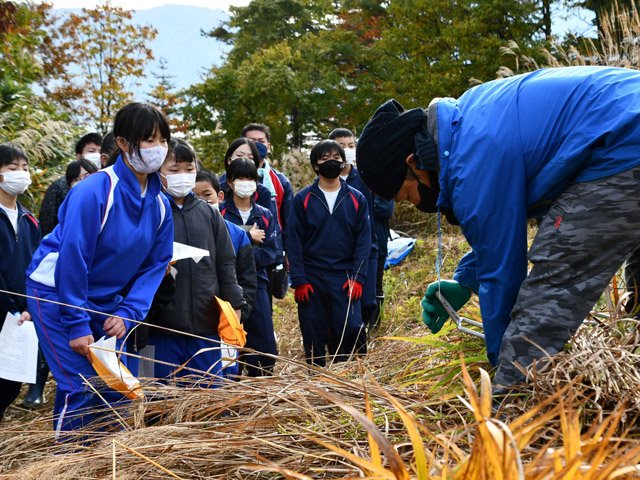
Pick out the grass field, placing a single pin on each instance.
(417, 406)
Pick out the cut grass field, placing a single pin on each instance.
(417, 406)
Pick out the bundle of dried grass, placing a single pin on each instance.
(602, 361)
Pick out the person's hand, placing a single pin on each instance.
(303, 292)
(257, 235)
(238, 314)
(81, 345)
(24, 317)
(353, 288)
(114, 327)
(433, 313)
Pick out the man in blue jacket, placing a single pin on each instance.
(560, 141)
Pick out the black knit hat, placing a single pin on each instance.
(385, 143)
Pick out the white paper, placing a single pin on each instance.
(182, 251)
(228, 353)
(18, 350)
(110, 360)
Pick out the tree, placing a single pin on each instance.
(26, 119)
(163, 96)
(100, 57)
(323, 64)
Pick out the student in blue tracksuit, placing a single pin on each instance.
(564, 142)
(208, 188)
(193, 308)
(244, 148)
(369, 304)
(276, 182)
(19, 238)
(108, 253)
(240, 209)
(329, 244)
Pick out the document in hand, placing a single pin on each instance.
(182, 251)
(104, 361)
(18, 350)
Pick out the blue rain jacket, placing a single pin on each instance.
(507, 148)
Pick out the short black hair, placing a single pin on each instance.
(92, 137)
(108, 145)
(322, 147)
(242, 168)
(234, 146)
(73, 169)
(340, 133)
(256, 126)
(9, 153)
(182, 151)
(137, 121)
(209, 177)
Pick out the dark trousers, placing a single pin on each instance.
(9, 391)
(260, 335)
(192, 353)
(330, 322)
(590, 230)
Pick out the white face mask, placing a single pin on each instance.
(15, 182)
(94, 158)
(350, 155)
(244, 188)
(180, 184)
(215, 206)
(151, 161)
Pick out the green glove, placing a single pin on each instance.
(433, 313)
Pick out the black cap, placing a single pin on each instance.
(385, 143)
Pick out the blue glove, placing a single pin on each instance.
(433, 313)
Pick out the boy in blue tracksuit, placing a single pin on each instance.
(563, 142)
(369, 303)
(108, 253)
(329, 244)
(19, 238)
(240, 209)
(208, 188)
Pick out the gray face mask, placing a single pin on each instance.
(150, 159)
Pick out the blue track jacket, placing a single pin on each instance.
(110, 250)
(326, 242)
(507, 148)
(265, 253)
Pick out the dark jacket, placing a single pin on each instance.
(16, 252)
(263, 198)
(319, 241)
(355, 181)
(382, 213)
(265, 253)
(193, 308)
(245, 266)
(53, 198)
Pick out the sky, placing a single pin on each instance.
(145, 4)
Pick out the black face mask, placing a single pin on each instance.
(428, 198)
(330, 168)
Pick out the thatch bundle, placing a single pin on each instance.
(602, 362)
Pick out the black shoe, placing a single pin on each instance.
(34, 397)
